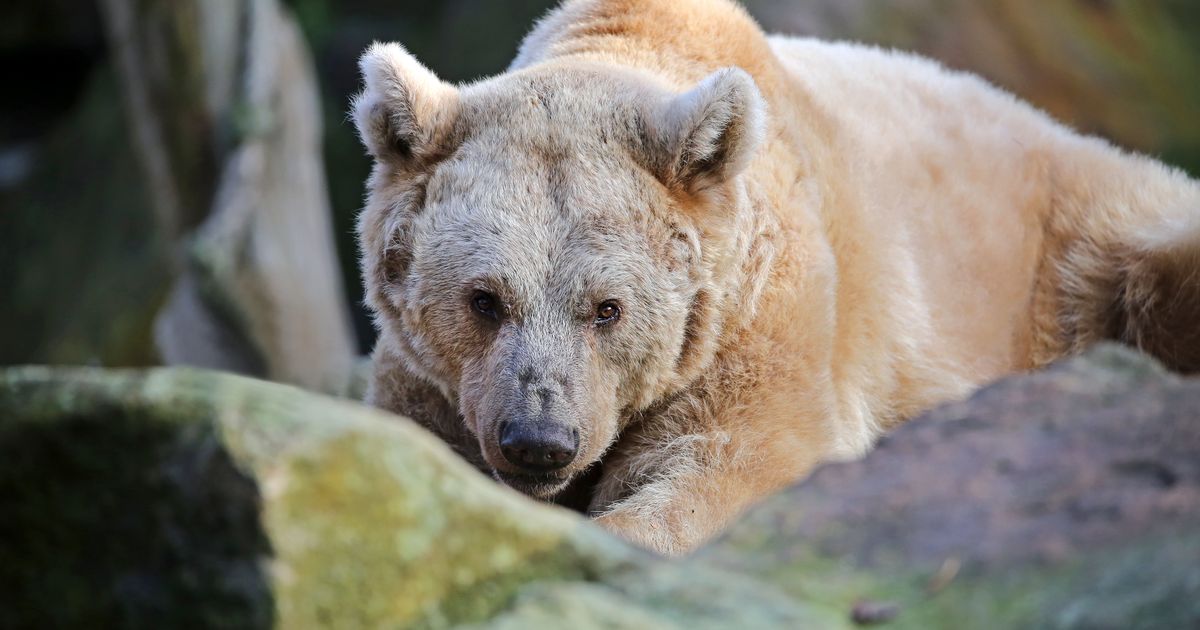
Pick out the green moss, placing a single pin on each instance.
(366, 537)
(1150, 582)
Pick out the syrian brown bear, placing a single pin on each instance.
(665, 264)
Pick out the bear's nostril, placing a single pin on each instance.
(538, 447)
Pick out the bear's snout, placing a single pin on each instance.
(538, 447)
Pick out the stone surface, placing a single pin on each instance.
(175, 497)
(1069, 498)
(144, 499)
(226, 121)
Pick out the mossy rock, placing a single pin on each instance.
(185, 498)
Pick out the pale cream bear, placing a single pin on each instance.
(664, 265)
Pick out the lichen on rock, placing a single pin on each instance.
(302, 510)
(186, 498)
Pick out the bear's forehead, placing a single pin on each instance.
(547, 141)
(544, 180)
(535, 215)
(541, 170)
(528, 254)
(577, 103)
(493, 214)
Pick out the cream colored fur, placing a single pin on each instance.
(811, 242)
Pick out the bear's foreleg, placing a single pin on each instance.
(669, 492)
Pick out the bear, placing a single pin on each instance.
(666, 264)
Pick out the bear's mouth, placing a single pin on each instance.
(540, 486)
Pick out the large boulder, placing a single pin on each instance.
(1064, 499)
(178, 497)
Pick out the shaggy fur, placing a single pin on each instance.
(809, 243)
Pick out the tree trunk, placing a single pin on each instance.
(226, 122)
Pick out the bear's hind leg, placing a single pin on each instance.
(1138, 286)
(1158, 299)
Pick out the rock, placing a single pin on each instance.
(179, 497)
(228, 132)
(1067, 499)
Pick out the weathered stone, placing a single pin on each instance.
(148, 498)
(1069, 498)
(223, 104)
(174, 497)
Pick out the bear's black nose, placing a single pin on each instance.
(538, 446)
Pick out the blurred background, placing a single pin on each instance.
(179, 181)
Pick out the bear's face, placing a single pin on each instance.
(548, 296)
(533, 245)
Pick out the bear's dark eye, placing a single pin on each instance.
(607, 313)
(485, 304)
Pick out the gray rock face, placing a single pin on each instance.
(1069, 498)
(1039, 468)
(182, 498)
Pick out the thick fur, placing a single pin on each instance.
(810, 243)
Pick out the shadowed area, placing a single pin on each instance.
(114, 518)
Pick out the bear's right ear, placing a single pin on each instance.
(404, 109)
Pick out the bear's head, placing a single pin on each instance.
(546, 247)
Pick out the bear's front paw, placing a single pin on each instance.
(648, 532)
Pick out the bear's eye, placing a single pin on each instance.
(607, 313)
(485, 304)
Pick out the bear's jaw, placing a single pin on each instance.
(544, 486)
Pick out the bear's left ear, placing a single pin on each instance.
(709, 134)
(404, 109)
